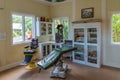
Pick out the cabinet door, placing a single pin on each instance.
(79, 54)
(43, 28)
(49, 27)
(44, 50)
(79, 35)
(92, 55)
(49, 46)
(92, 35)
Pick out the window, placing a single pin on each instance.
(115, 28)
(65, 22)
(22, 27)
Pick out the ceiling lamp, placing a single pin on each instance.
(55, 0)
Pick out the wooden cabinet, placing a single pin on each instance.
(86, 38)
(43, 28)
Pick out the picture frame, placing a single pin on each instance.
(87, 12)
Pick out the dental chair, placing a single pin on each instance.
(30, 53)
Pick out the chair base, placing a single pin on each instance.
(59, 71)
(31, 65)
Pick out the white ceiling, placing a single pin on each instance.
(52, 3)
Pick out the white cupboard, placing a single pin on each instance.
(43, 28)
(87, 39)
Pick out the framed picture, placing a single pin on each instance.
(87, 13)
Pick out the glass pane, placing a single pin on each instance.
(44, 50)
(43, 29)
(17, 28)
(56, 22)
(58, 31)
(49, 28)
(79, 35)
(116, 28)
(92, 54)
(48, 49)
(79, 53)
(65, 28)
(92, 35)
(28, 28)
(65, 23)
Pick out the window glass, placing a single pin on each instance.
(28, 28)
(65, 28)
(56, 22)
(22, 26)
(116, 28)
(65, 23)
(17, 28)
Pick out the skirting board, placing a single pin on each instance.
(9, 66)
(112, 65)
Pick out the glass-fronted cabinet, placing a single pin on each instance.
(43, 28)
(46, 28)
(45, 49)
(86, 38)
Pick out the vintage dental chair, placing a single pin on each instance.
(30, 52)
(55, 59)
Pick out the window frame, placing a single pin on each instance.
(23, 25)
(112, 13)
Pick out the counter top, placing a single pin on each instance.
(53, 42)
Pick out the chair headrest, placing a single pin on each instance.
(34, 43)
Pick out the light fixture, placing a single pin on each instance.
(55, 0)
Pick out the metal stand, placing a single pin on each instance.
(59, 71)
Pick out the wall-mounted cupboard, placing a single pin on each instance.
(43, 28)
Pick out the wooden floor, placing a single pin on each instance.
(75, 72)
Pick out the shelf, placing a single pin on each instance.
(79, 57)
(92, 61)
(93, 58)
(87, 21)
(77, 52)
(92, 41)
